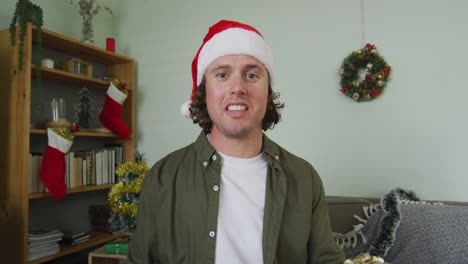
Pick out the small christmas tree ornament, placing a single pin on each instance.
(111, 114)
(53, 163)
(84, 108)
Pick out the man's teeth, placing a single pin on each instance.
(236, 107)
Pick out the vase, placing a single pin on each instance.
(87, 29)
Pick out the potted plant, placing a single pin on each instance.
(88, 9)
(26, 11)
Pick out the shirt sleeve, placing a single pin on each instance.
(322, 248)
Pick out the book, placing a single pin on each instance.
(41, 187)
(81, 240)
(43, 233)
(31, 173)
(39, 248)
(44, 252)
(75, 237)
(72, 177)
(78, 180)
(119, 246)
(98, 167)
(46, 241)
(35, 170)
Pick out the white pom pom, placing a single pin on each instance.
(185, 109)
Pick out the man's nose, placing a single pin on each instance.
(238, 85)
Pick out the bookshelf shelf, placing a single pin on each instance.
(77, 48)
(98, 238)
(73, 190)
(81, 133)
(69, 78)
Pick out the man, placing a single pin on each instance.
(233, 196)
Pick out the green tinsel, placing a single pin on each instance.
(390, 220)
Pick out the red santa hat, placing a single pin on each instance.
(227, 38)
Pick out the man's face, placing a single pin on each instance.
(236, 95)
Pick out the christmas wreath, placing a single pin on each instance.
(377, 73)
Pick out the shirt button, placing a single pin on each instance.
(276, 157)
(205, 163)
(215, 188)
(212, 233)
(214, 157)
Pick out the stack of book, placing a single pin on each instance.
(75, 238)
(43, 243)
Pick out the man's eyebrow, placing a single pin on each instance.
(223, 66)
(252, 66)
(247, 66)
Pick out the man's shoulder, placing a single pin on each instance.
(285, 155)
(290, 162)
(291, 158)
(163, 171)
(177, 156)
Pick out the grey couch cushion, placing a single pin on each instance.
(425, 234)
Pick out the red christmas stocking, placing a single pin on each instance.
(53, 164)
(111, 114)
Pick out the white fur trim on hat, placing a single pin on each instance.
(234, 41)
(185, 109)
(116, 94)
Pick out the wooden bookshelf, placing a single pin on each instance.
(80, 189)
(97, 238)
(18, 139)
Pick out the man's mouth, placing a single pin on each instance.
(237, 107)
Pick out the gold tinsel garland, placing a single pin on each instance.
(64, 132)
(121, 188)
(121, 85)
(365, 258)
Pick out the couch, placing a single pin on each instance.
(401, 230)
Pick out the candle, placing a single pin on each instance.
(110, 44)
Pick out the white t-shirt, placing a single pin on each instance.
(240, 216)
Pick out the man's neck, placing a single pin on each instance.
(245, 147)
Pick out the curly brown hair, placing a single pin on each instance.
(199, 111)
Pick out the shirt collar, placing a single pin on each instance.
(271, 149)
(203, 147)
(206, 151)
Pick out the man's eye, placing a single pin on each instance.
(221, 75)
(251, 76)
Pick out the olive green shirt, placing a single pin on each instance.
(178, 211)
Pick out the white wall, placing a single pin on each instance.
(63, 17)
(412, 136)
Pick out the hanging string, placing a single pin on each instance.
(363, 35)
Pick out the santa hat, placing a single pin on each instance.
(227, 38)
